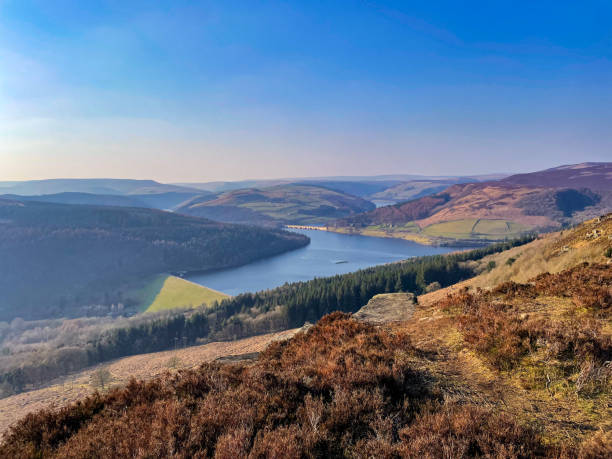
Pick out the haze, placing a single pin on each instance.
(197, 91)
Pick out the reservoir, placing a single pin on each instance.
(326, 255)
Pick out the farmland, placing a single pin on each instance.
(170, 292)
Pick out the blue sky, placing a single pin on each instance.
(200, 91)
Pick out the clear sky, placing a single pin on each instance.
(225, 90)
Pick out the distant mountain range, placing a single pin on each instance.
(93, 186)
(493, 210)
(363, 186)
(115, 192)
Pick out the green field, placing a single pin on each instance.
(169, 292)
(473, 228)
(409, 227)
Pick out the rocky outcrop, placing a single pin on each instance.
(387, 307)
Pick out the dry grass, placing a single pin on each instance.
(145, 366)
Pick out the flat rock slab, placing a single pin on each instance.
(387, 307)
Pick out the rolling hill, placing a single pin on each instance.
(108, 192)
(414, 189)
(493, 210)
(69, 197)
(59, 259)
(92, 186)
(278, 205)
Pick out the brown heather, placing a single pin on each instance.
(341, 389)
(509, 322)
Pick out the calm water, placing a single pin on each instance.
(319, 259)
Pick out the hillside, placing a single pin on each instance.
(76, 386)
(91, 186)
(80, 198)
(58, 259)
(414, 189)
(105, 192)
(36, 351)
(495, 210)
(516, 370)
(596, 176)
(278, 205)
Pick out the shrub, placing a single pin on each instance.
(100, 378)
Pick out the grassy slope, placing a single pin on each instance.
(551, 252)
(472, 229)
(170, 292)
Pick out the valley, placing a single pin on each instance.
(520, 366)
(305, 230)
(463, 367)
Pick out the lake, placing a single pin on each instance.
(326, 255)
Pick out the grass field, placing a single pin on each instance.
(169, 292)
(472, 228)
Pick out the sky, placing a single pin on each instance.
(199, 91)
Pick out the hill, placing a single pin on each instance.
(372, 188)
(414, 189)
(494, 210)
(91, 186)
(58, 259)
(278, 205)
(515, 370)
(81, 198)
(595, 176)
(106, 192)
(71, 388)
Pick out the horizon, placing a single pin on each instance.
(416, 176)
(195, 93)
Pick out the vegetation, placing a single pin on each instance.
(173, 362)
(101, 378)
(478, 228)
(521, 370)
(85, 260)
(341, 389)
(245, 315)
(498, 325)
(175, 292)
